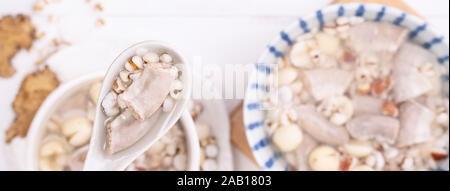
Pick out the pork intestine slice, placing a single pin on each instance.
(409, 83)
(376, 38)
(124, 130)
(415, 120)
(148, 92)
(316, 125)
(324, 83)
(379, 127)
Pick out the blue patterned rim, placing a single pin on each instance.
(266, 154)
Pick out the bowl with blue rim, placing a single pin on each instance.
(255, 112)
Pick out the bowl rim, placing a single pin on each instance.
(33, 139)
(271, 53)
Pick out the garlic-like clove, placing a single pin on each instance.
(286, 76)
(380, 161)
(209, 165)
(212, 151)
(94, 92)
(179, 162)
(328, 44)
(287, 138)
(358, 148)
(324, 158)
(78, 130)
(166, 58)
(141, 51)
(52, 156)
(151, 57)
(109, 104)
(203, 130)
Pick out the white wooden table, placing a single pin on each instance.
(216, 31)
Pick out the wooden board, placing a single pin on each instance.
(238, 137)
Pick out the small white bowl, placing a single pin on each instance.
(264, 151)
(60, 95)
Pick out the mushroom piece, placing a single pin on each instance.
(148, 92)
(77, 159)
(325, 83)
(319, 127)
(409, 82)
(366, 126)
(415, 120)
(124, 131)
(373, 37)
(367, 105)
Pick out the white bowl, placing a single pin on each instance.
(266, 154)
(60, 95)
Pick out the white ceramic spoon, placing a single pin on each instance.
(98, 158)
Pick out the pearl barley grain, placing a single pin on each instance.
(137, 60)
(166, 58)
(151, 57)
(125, 76)
(109, 104)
